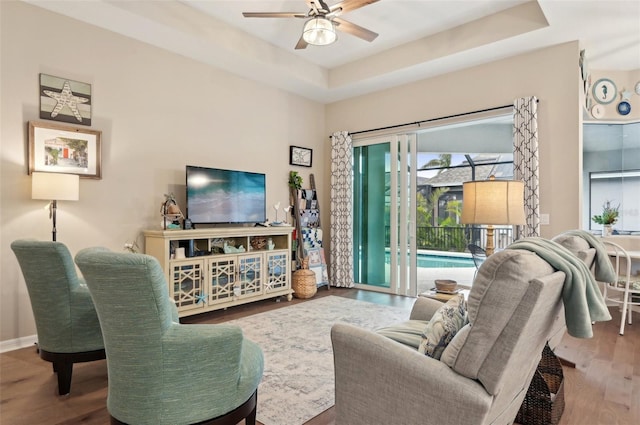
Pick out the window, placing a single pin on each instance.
(620, 188)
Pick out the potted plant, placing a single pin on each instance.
(295, 180)
(608, 217)
(295, 183)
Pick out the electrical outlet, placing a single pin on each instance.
(544, 218)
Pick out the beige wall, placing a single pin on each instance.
(157, 112)
(550, 74)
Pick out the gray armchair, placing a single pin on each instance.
(66, 320)
(484, 372)
(162, 372)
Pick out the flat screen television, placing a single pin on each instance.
(216, 196)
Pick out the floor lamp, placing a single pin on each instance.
(55, 187)
(493, 202)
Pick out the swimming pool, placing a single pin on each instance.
(425, 260)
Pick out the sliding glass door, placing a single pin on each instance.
(383, 214)
(408, 201)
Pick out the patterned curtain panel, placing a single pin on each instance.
(341, 210)
(525, 161)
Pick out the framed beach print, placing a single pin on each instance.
(57, 148)
(300, 156)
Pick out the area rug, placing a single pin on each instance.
(298, 382)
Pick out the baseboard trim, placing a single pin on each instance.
(17, 343)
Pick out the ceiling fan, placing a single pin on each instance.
(322, 21)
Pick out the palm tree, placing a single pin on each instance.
(427, 208)
(442, 162)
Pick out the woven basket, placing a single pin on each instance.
(544, 402)
(304, 282)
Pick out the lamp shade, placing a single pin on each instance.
(55, 186)
(319, 31)
(493, 202)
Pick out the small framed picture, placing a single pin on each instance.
(300, 156)
(57, 148)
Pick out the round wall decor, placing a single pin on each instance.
(624, 108)
(597, 111)
(604, 91)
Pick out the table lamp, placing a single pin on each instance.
(493, 202)
(55, 187)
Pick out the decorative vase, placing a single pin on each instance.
(607, 230)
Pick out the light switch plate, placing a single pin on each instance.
(544, 218)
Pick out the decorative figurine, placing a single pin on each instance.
(170, 212)
(286, 211)
(276, 207)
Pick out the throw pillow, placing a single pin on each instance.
(443, 326)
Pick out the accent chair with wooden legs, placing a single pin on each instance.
(66, 320)
(160, 371)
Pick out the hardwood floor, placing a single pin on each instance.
(604, 388)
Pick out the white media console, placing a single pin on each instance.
(208, 278)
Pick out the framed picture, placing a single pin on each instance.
(300, 156)
(65, 100)
(57, 148)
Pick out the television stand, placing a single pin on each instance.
(224, 266)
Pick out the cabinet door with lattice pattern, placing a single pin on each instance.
(223, 274)
(277, 271)
(249, 275)
(187, 284)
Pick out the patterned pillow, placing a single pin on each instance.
(443, 326)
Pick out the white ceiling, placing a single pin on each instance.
(417, 38)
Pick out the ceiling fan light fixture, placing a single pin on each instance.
(319, 31)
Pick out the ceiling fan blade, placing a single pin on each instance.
(354, 29)
(301, 44)
(273, 15)
(349, 5)
(323, 6)
(318, 7)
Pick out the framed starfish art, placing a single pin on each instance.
(65, 100)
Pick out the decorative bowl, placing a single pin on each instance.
(445, 285)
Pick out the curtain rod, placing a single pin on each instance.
(429, 120)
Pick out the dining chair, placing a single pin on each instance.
(479, 256)
(626, 290)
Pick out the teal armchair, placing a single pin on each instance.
(66, 320)
(160, 371)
